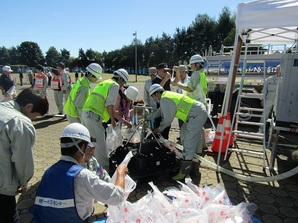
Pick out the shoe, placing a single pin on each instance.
(60, 113)
(180, 176)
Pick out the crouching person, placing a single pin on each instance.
(193, 114)
(67, 190)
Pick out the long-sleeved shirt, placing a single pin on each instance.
(122, 105)
(147, 98)
(66, 86)
(88, 187)
(17, 137)
(81, 97)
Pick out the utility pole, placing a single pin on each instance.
(136, 56)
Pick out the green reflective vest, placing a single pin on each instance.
(183, 104)
(97, 99)
(69, 107)
(203, 81)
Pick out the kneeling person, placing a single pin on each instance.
(67, 190)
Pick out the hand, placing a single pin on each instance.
(113, 123)
(122, 169)
(175, 68)
(174, 83)
(22, 189)
(128, 124)
(156, 131)
(168, 75)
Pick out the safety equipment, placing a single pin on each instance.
(123, 74)
(196, 59)
(95, 69)
(131, 93)
(76, 131)
(154, 88)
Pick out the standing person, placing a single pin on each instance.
(77, 76)
(49, 74)
(67, 190)
(41, 81)
(193, 114)
(30, 78)
(184, 78)
(56, 85)
(7, 84)
(163, 78)
(124, 103)
(21, 76)
(196, 87)
(269, 90)
(99, 109)
(80, 92)
(17, 137)
(147, 99)
(66, 82)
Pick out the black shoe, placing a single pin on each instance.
(60, 113)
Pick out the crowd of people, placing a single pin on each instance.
(84, 162)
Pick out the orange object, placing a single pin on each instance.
(222, 132)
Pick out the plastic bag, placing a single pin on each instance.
(209, 135)
(114, 138)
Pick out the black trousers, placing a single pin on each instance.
(8, 209)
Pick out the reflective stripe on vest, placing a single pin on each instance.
(183, 104)
(70, 107)
(54, 200)
(39, 81)
(56, 83)
(97, 99)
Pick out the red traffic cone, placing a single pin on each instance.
(228, 129)
(219, 134)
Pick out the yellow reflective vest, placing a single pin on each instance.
(97, 99)
(183, 104)
(203, 81)
(69, 107)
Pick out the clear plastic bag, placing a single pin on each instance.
(114, 138)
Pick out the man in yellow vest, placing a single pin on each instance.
(194, 115)
(80, 92)
(99, 109)
(196, 87)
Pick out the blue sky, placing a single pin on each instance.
(98, 24)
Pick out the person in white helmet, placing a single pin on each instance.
(147, 99)
(99, 109)
(124, 103)
(80, 92)
(67, 190)
(193, 114)
(196, 87)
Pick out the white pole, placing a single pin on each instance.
(136, 56)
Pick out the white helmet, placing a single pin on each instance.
(123, 74)
(196, 59)
(131, 93)
(75, 131)
(154, 88)
(95, 69)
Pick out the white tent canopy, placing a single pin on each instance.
(268, 21)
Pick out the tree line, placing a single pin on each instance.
(185, 42)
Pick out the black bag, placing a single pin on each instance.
(151, 159)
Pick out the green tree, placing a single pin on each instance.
(64, 56)
(30, 54)
(14, 56)
(52, 56)
(4, 55)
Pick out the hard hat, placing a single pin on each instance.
(131, 93)
(123, 74)
(95, 69)
(196, 59)
(76, 131)
(154, 88)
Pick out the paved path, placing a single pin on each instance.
(277, 200)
